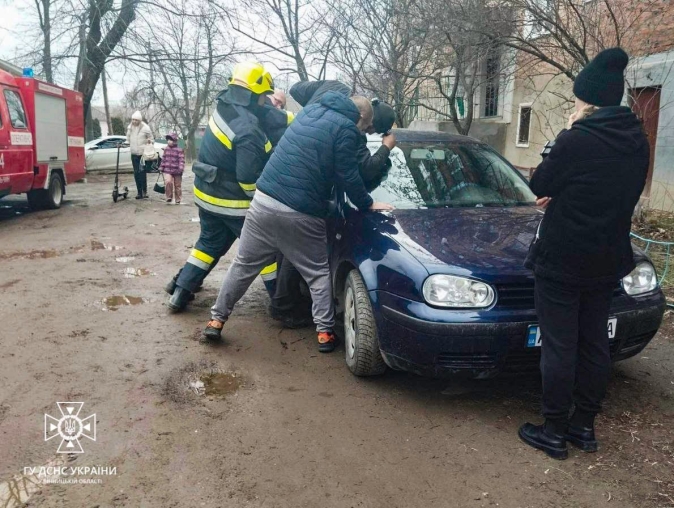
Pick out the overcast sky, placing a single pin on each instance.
(13, 28)
(11, 45)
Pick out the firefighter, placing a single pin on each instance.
(233, 153)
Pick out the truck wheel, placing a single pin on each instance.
(361, 343)
(50, 198)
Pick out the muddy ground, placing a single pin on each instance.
(83, 319)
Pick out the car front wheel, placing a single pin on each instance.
(361, 343)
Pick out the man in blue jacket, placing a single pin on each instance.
(287, 214)
(290, 305)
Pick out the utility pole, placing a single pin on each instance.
(105, 100)
(80, 58)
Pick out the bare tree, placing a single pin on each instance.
(382, 47)
(460, 49)
(287, 33)
(566, 34)
(183, 68)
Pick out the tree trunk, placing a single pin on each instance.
(88, 125)
(46, 32)
(99, 48)
(80, 57)
(191, 145)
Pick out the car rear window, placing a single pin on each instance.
(447, 175)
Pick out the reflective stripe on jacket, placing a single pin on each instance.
(233, 153)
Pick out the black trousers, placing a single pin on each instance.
(288, 298)
(139, 174)
(576, 358)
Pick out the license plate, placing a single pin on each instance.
(534, 333)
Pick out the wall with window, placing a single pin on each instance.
(651, 80)
(541, 105)
(492, 101)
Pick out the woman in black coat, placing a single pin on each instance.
(590, 182)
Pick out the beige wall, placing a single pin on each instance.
(549, 98)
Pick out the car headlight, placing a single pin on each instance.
(452, 291)
(643, 279)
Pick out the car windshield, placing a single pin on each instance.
(450, 175)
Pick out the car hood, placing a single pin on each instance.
(482, 242)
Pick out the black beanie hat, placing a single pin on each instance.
(384, 116)
(602, 81)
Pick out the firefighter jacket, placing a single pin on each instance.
(233, 153)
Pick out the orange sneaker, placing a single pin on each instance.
(213, 330)
(326, 342)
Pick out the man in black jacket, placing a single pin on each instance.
(591, 182)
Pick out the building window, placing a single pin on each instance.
(524, 125)
(538, 17)
(492, 84)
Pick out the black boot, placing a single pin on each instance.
(179, 299)
(548, 438)
(292, 319)
(171, 286)
(581, 431)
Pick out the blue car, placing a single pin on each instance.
(438, 287)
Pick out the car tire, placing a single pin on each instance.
(50, 198)
(361, 343)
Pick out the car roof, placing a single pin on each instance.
(415, 136)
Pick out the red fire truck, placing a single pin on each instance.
(41, 139)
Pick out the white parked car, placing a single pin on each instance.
(101, 153)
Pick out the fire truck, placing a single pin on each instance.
(41, 138)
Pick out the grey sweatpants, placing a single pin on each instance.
(271, 227)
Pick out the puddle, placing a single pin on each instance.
(125, 259)
(30, 254)
(96, 245)
(202, 379)
(115, 302)
(17, 490)
(220, 384)
(132, 273)
(216, 384)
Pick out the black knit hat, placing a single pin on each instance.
(602, 82)
(384, 116)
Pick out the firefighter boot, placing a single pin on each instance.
(179, 300)
(171, 286)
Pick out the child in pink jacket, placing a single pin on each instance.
(173, 165)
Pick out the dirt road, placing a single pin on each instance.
(83, 319)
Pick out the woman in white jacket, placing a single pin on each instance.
(138, 135)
